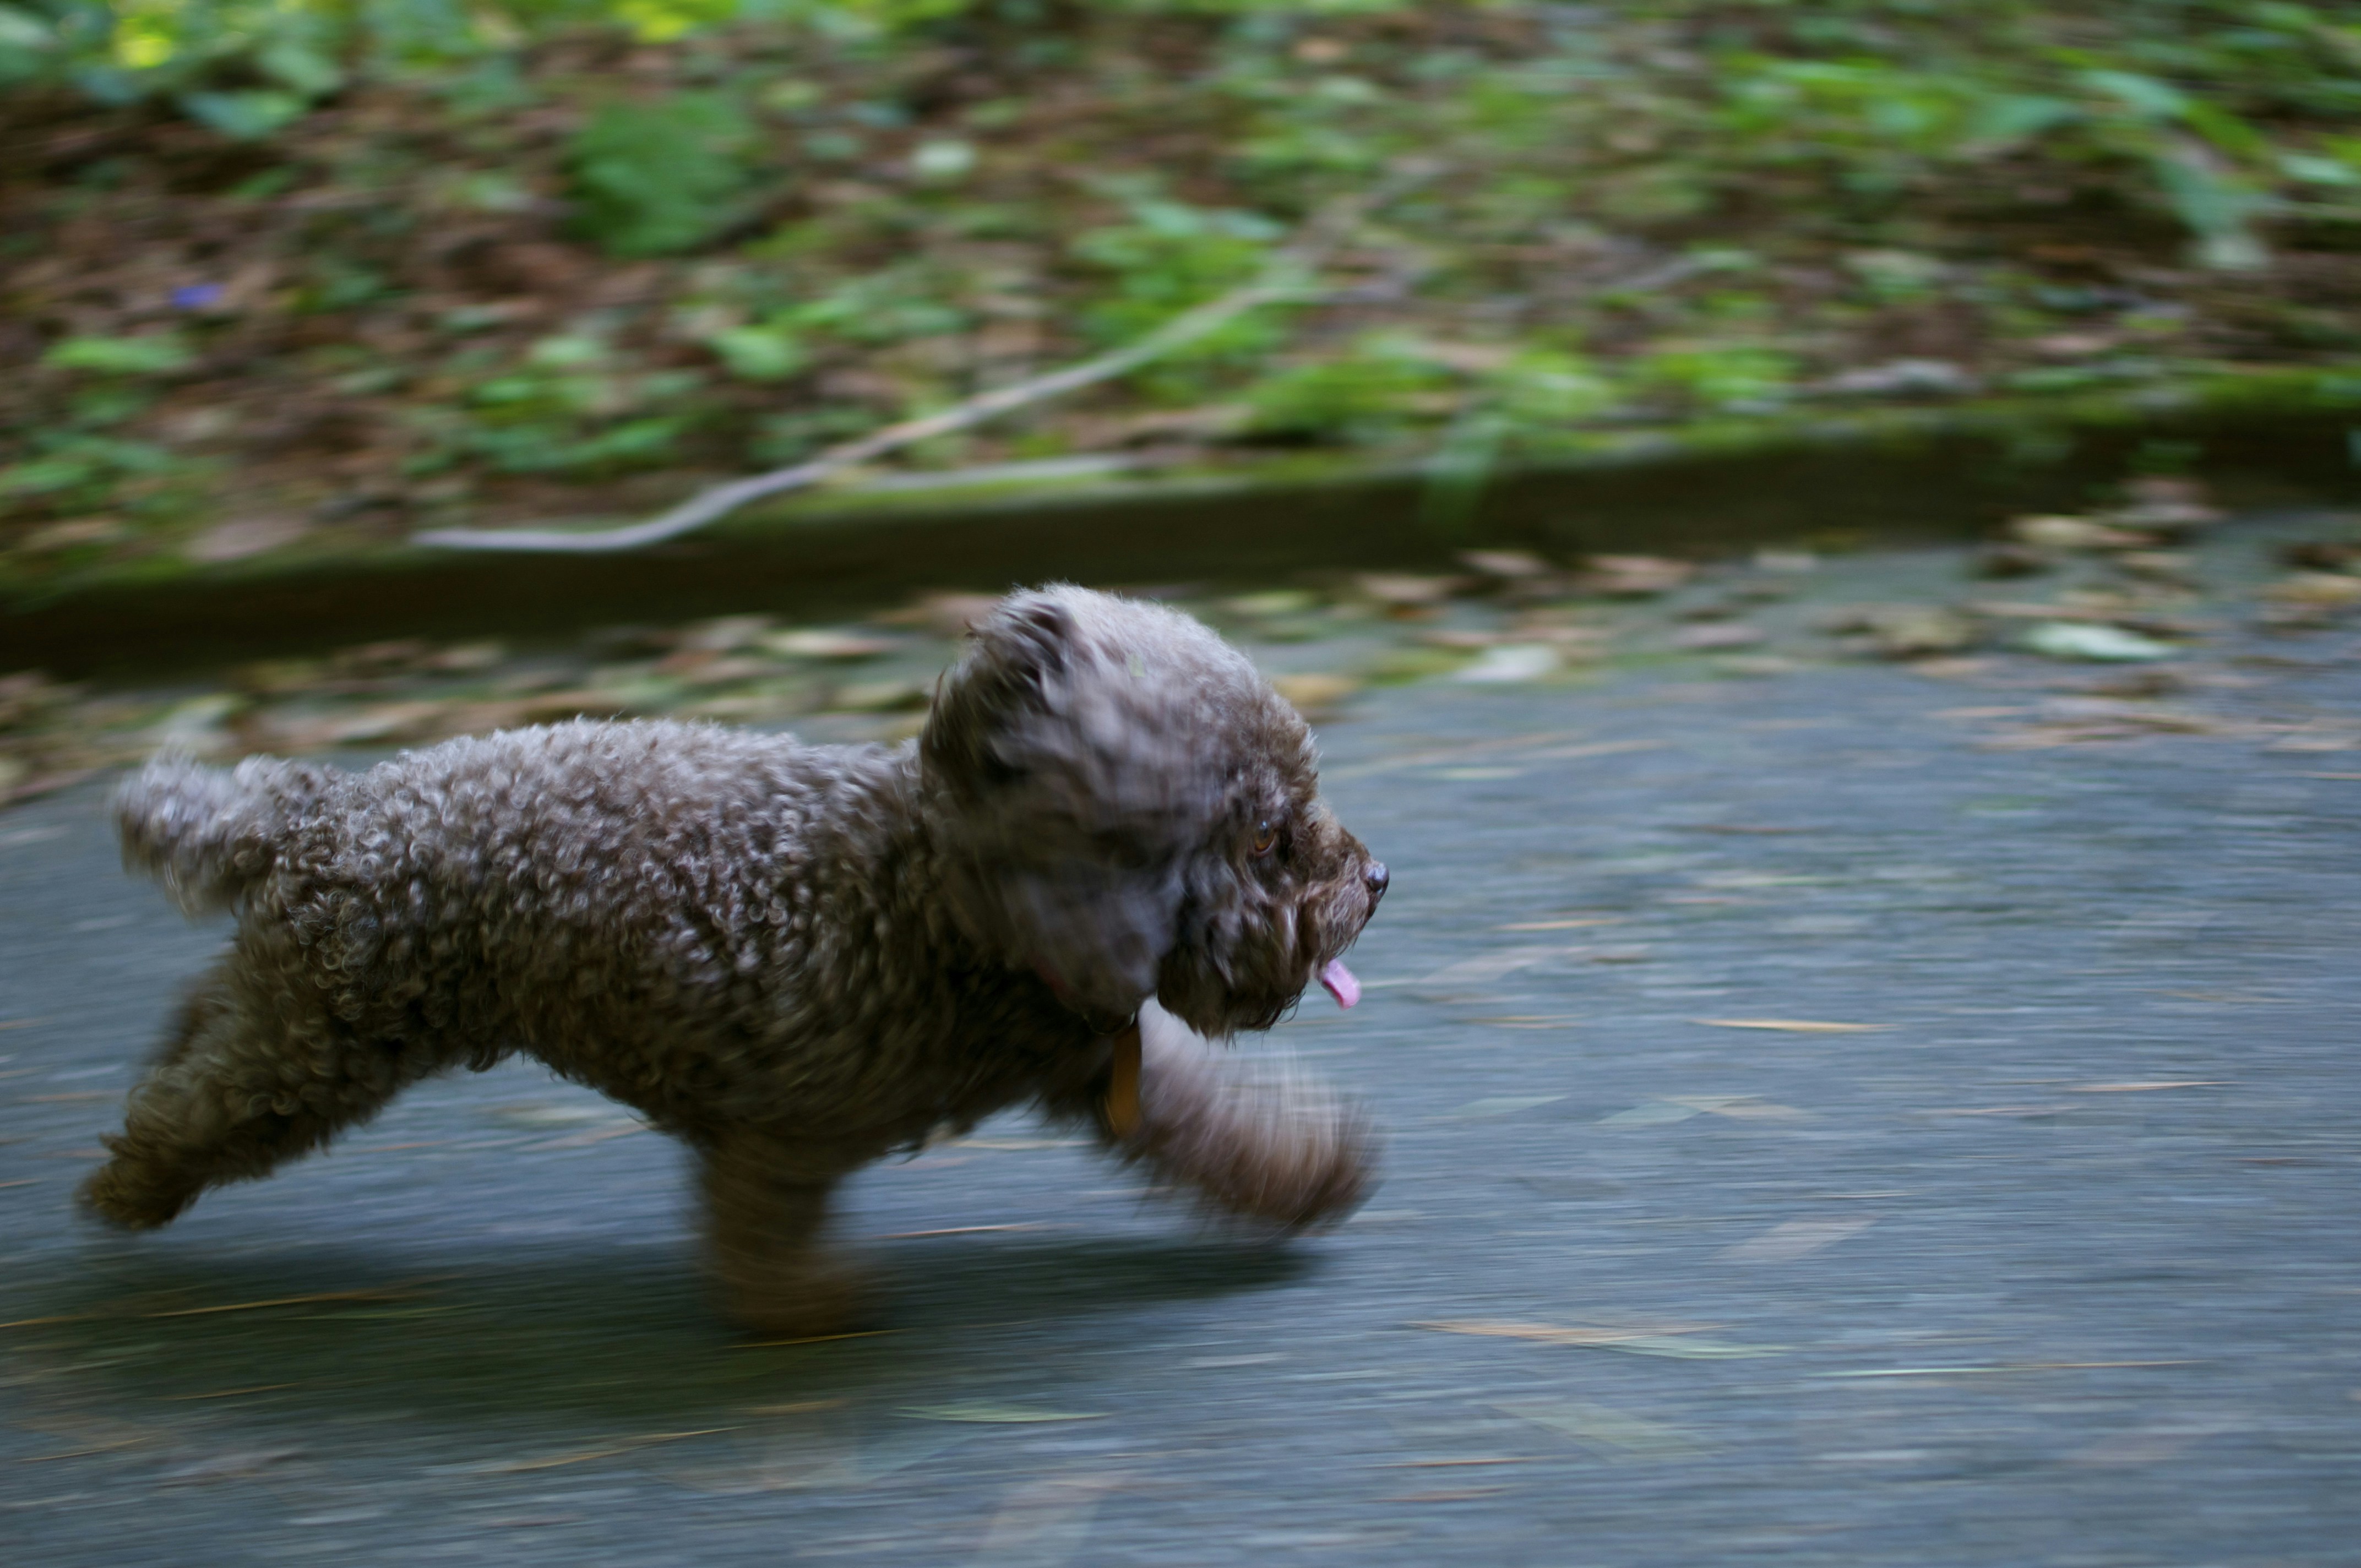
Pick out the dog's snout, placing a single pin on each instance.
(1375, 877)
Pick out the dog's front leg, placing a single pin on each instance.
(1276, 1146)
(765, 1206)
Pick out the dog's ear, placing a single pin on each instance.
(1012, 659)
(1066, 781)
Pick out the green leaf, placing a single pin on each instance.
(2018, 115)
(1722, 375)
(651, 178)
(568, 351)
(46, 476)
(1358, 397)
(159, 355)
(759, 352)
(2312, 170)
(2143, 96)
(299, 68)
(2224, 129)
(1544, 389)
(22, 30)
(245, 116)
(2214, 205)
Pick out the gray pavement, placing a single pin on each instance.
(2049, 1257)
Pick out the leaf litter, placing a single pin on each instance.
(1500, 1105)
(1680, 1108)
(870, 677)
(1604, 1429)
(1682, 1342)
(980, 1413)
(1794, 1025)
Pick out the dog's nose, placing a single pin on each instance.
(1375, 877)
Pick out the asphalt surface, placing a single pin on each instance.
(2048, 1256)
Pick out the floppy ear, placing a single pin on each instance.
(1061, 784)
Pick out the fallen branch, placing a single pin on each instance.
(1288, 277)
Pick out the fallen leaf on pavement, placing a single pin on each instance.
(584, 1456)
(1488, 967)
(1401, 593)
(2074, 533)
(1605, 1430)
(1313, 695)
(1511, 661)
(1717, 635)
(1552, 1333)
(984, 1414)
(1795, 1239)
(2145, 1088)
(1500, 1106)
(1680, 1108)
(1794, 1025)
(1509, 565)
(821, 643)
(2093, 642)
(1680, 1341)
(1468, 752)
(1654, 1114)
(1635, 577)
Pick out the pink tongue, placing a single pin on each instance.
(1340, 982)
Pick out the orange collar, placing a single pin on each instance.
(1122, 1084)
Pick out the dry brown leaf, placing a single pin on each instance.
(1598, 749)
(1315, 695)
(242, 537)
(1556, 1333)
(1715, 635)
(2148, 1087)
(945, 614)
(583, 1456)
(315, 1298)
(1635, 577)
(1467, 752)
(1509, 565)
(1794, 1025)
(2075, 534)
(1402, 591)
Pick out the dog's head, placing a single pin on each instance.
(1128, 810)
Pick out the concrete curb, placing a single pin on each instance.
(2262, 436)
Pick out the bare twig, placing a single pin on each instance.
(1288, 277)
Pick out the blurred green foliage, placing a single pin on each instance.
(1360, 395)
(570, 405)
(658, 177)
(818, 214)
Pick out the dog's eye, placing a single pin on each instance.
(1265, 839)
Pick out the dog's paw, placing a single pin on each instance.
(126, 1197)
(1308, 1170)
(818, 1297)
(1279, 1150)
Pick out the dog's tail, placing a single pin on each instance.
(209, 834)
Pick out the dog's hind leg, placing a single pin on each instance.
(245, 1079)
(765, 1205)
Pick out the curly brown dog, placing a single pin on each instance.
(796, 957)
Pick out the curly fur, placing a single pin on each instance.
(795, 957)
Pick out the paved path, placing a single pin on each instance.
(2051, 1257)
